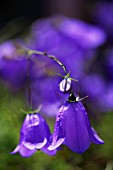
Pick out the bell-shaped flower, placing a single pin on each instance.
(73, 128)
(34, 135)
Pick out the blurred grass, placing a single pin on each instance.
(96, 157)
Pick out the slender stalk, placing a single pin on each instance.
(30, 52)
(28, 82)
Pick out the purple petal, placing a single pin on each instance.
(16, 149)
(58, 136)
(49, 152)
(23, 151)
(33, 146)
(77, 136)
(56, 144)
(93, 135)
(95, 138)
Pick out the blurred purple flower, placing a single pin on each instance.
(106, 100)
(73, 128)
(99, 90)
(50, 96)
(67, 38)
(84, 34)
(34, 135)
(12, 65)
(73, 42)
(93, 85)
(103, 14)
(56, 29)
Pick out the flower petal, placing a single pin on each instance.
(56, 144)
(26, 152)
(95, 138)
(77, 136)
(93, 134)
(16, 149)
(58, 136)
(33, 146)
(49, 152)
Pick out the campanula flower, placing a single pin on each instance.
(34, 135)
(73, 128)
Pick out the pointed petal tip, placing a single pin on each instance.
(16, 149)
(95, 138)
(24, 152)
(56, 144)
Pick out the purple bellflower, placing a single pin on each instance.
(73, 128)
(34, 135)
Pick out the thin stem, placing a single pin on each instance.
(28, 83)
(55, 59)
(32, 111)
(30, 52)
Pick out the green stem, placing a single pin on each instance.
(31, 52)
(28, 83)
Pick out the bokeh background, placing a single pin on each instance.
(20, 20)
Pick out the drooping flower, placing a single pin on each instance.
(34, 135)
(73, 128)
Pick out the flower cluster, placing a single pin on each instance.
(64, 38)
(72, 128)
